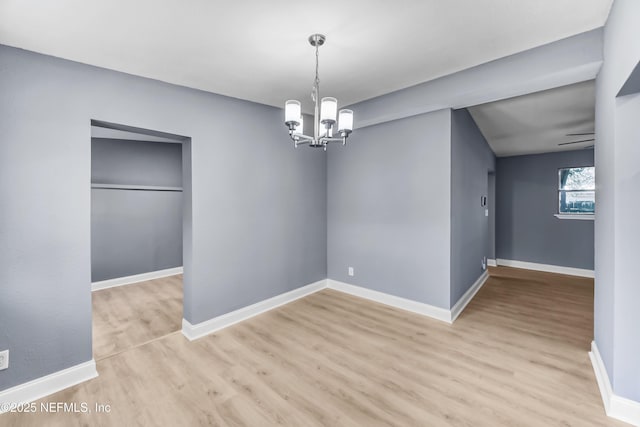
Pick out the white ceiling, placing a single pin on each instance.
(538, 122)
(258, 50)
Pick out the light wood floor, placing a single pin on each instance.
(517, 356)
(127, 316)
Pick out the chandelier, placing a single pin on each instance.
(325, 121)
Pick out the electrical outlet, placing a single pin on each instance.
(4, 359)
(351, 271)
(483, 262)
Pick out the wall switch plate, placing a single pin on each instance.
(486, 212)
(4, 359)
(351, 271)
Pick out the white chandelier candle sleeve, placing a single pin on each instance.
(328, 110)
(292, 111)
(345, 120)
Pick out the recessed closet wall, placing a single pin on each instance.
(136, 207)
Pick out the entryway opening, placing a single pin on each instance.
(138, 206)
(541, 206)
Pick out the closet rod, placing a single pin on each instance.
(135, 187)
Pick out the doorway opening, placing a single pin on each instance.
(537, 139)
(541, 251)
(140, 200)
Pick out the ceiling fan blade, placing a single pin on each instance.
(577, 142)
(580, 134)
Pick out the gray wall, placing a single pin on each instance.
(492, 215)
(471, 161)
(388, 208)
(115, 161)
(527, 199)
(617, 181)
(135, 231)
(255, 222)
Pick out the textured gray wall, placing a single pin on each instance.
(115, 161)
(617, 181)
(471, 161)
(527, 199)
(256, 227)
(388, 208)
(135, 231)
(492, 215)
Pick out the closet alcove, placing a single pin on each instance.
(136, 236)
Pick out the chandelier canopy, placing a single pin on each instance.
(326, 118)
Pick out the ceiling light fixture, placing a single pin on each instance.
(324, 115)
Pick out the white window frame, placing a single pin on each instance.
(585, 216)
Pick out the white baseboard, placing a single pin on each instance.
(392, 300)
(546, 267)
(128, 280)
(492, 263)
(199, 330)
(468, 296)
(615, 406)
(49, 384)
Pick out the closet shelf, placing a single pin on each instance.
(134, 187)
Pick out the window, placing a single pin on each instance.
(577, 191)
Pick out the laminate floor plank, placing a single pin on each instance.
(130, 315)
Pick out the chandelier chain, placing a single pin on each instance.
(316, 82)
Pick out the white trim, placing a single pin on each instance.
(584, 217)
(49, 384)
(492, 263)
(602, 378)
(615, 406)
(546, 267)
(134, 187)
(128, 280)
(392, 300)
(199, 330)
(468, 296)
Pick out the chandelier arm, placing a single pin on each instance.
(329, 140)
(303, 137)
(299, 139)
